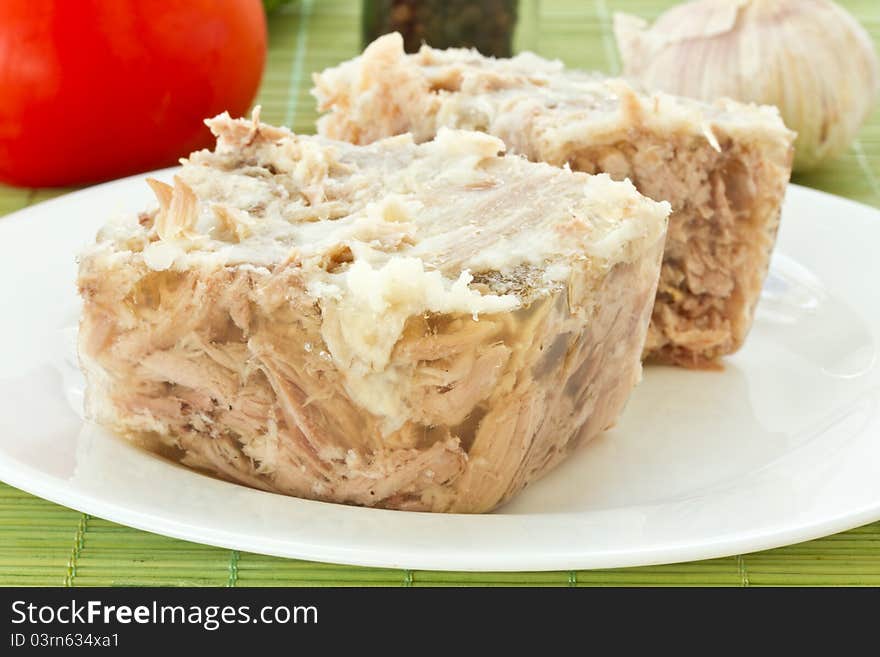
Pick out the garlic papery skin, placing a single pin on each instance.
(810, 58)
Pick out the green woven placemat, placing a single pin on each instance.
(45, 544)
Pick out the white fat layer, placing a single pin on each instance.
(529, 95)
(366, 313)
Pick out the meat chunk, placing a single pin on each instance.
(723, 167)
(406, 326)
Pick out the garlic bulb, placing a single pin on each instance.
(810, 58)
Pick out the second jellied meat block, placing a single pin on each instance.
(723, 167)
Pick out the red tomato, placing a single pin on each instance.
(97, 89)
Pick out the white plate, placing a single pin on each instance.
(782, 446)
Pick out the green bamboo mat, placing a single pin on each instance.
(45, 544)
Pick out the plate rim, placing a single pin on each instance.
(575, 560)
